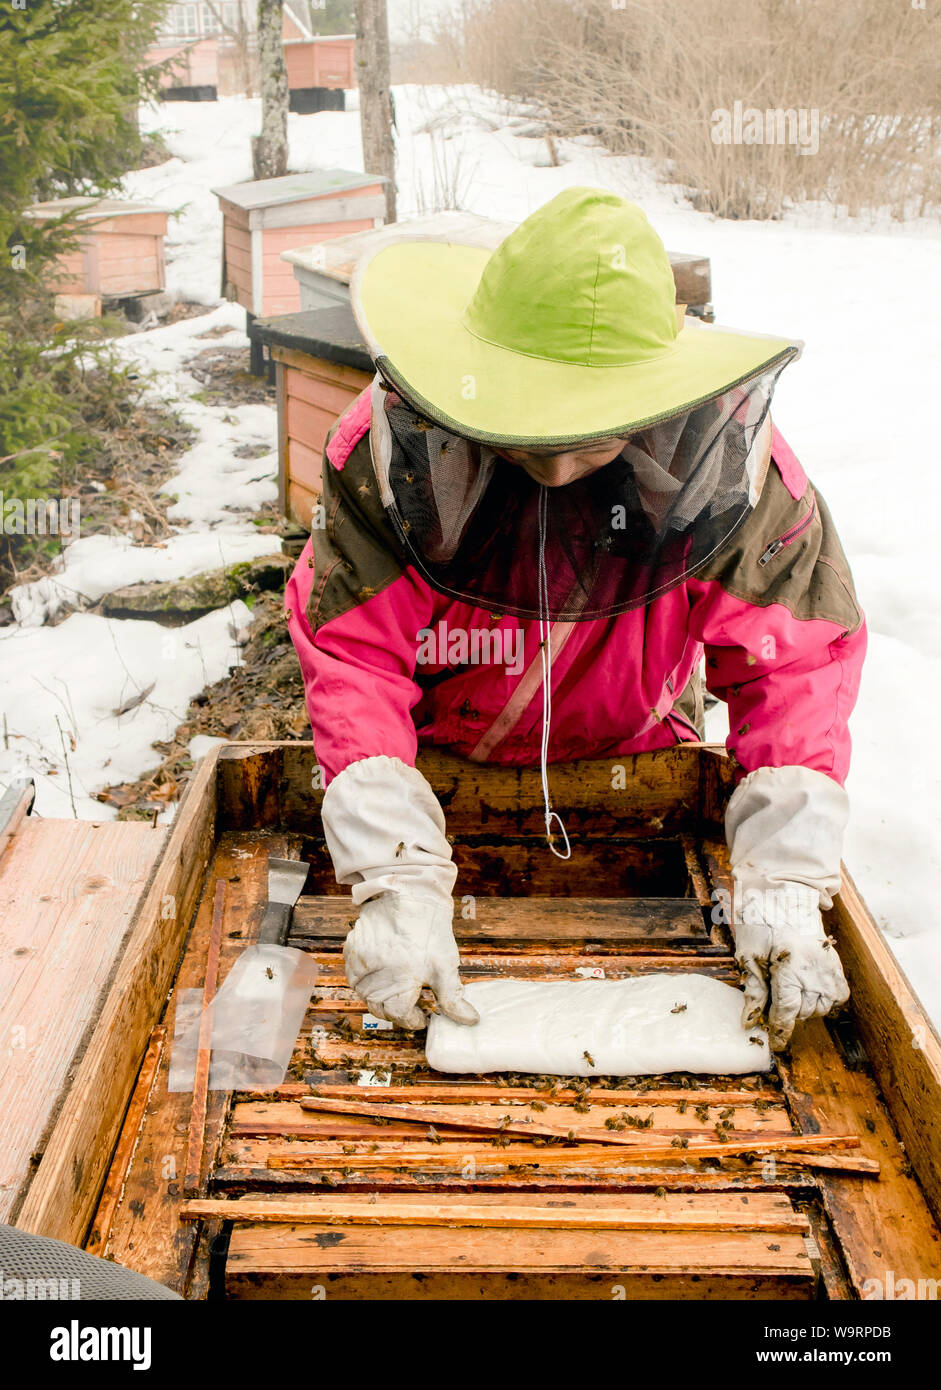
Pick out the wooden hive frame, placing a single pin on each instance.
(471, 1211)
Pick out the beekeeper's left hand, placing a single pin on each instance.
(785, 830)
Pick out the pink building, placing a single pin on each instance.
(213, 45)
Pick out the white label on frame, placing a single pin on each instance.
(372, 1024)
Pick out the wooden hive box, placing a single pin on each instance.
(809, 1181)
(321, 365)
(327, 61)
(266, 217)
(121, 249)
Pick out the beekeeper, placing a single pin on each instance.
(554, 500)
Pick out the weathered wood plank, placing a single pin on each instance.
(902, 1044)
(660, 794)
(68, 892)
(501, 1174)
(520, 866)
(678, 1212)
(880, 1225)
(639, 1147)
(550, 965)
(279, 1249)
(117, 1173)
(63, 1194)
(197, 1126)
(587, 923)
(481, 1092)
(287, 1117)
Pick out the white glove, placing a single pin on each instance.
(785, 828)
(398, 945)
(385, 833)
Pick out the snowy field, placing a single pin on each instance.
(859, 409)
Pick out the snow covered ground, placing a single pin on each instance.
(65, 689)
(859, 409)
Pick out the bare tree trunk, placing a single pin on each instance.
(375, 95)
(270, 148)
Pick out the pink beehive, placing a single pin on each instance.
(121, 246)
(266, 217)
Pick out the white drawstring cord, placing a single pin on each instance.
(546, 658)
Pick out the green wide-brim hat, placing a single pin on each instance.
(566, 332)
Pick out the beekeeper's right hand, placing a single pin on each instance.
(385, 833)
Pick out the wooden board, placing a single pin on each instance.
(593, 924)
(64, 1192)
(289, 1256)
(68, 890)
(901, 1042)
(633, 1212)
(662, 796)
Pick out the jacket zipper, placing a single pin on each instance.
(788, 536)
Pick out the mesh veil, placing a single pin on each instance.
(603, 544)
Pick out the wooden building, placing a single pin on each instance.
(213, 52)
(121, 249)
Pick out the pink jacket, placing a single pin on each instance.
(385, 664)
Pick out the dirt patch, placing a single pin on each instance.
(263, 698)
(117, 483)
(189, 309)
(223, 373)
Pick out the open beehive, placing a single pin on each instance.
(805, 1182)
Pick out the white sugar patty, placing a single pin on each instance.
(642, 1026)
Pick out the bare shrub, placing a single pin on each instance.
(650, 77)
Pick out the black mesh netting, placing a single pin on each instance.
(38, 1267)
(611, 541)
